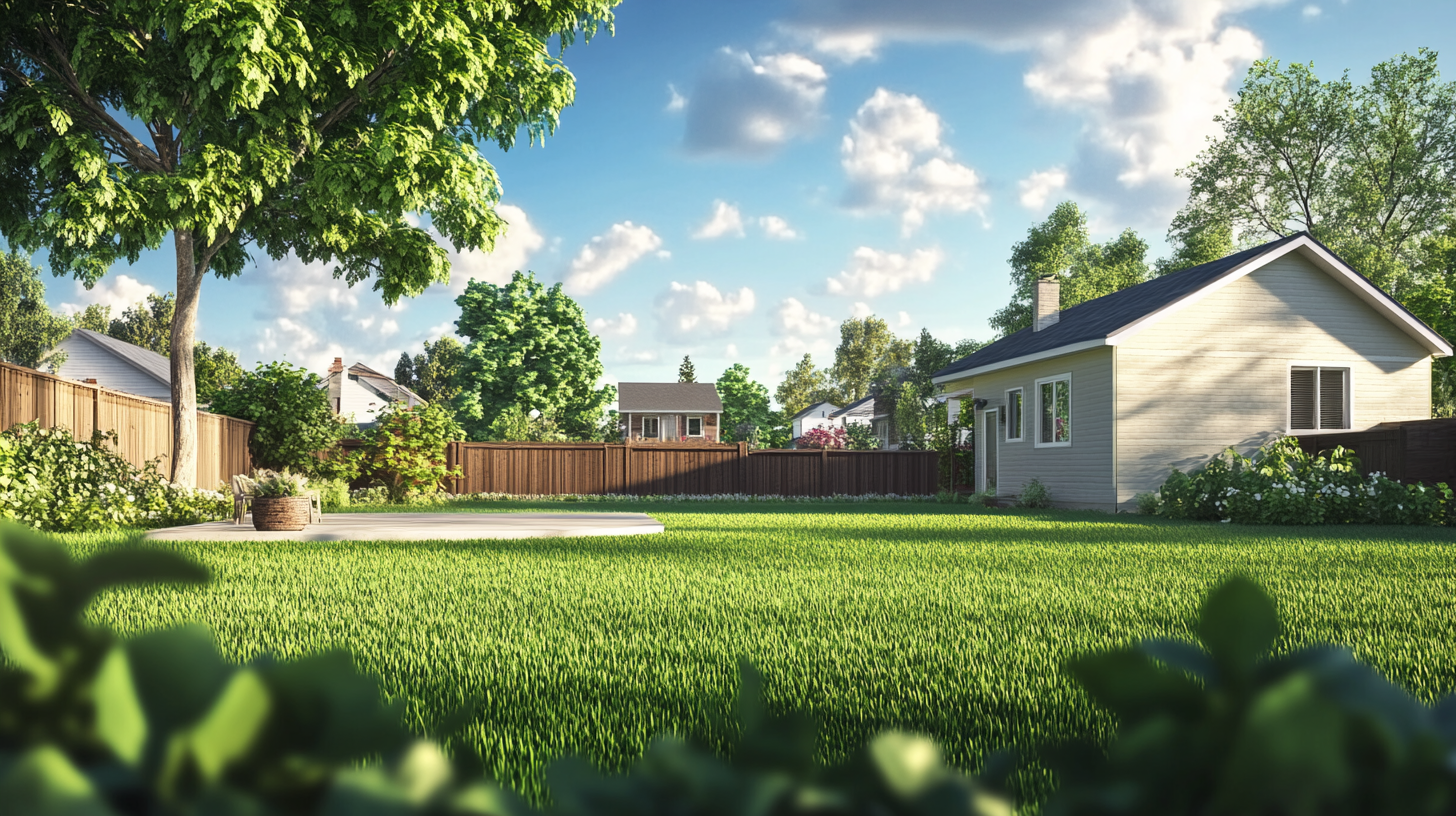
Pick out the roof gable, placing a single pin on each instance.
(144, 360)
(812, 408)
(668, 397)
(1111, 318)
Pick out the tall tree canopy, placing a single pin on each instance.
(868, 352)
(432, 374)
(529, 350)
(1061, 247)
(28, 328)
(147, 324)
(685, 372)
(805, 385)
(745, 403)
(305, 128)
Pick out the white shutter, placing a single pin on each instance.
(1301, 398)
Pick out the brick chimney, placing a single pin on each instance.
(1046, 303)
(336, 385)
(337, 366)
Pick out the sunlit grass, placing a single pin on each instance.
(925, 617)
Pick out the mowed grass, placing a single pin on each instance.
(932, 618)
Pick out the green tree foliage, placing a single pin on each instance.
(1369, 170)
(745, 404)
(306, 128)
(433, 373)
(28, 328)
(1197, 243)
(1433, 299)
(405, 451)
(685, 372)
(868, 352)
(529, 348)
(805, 385)
(95, 317)
(294, 420)
(1061, 247)
(147, 324)
(216, 368)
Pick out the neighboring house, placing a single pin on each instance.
(115, 364)
(818, 415)
(1100, 402)
(361, 392)
(670, 411)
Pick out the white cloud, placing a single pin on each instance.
(750, 107)
(793, 347)
(860, 310)
(1146, 77)
(794, 318)
(895, 161)
(698, 310)
(1310, 12)
(725, 220)
(625, 325)
(775, 227)
(117, 292)
(731, 351)
(637, 357)
(903, 321)
(873, 272)
(607, 255)
(512, 252)
(675, 100)
(1040, 186)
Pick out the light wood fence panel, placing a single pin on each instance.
(143, 426)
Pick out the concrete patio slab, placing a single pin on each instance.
(425, 527)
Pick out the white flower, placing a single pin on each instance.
(1258, 497)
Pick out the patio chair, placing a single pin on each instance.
(242, 497)
(315, 506)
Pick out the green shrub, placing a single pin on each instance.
(333, 493)
(51, 481)
(1034, 495)
(860, 436)
(1148, 504)
(296, 429)
(1282, 484)
(405, 453)
(369, 496)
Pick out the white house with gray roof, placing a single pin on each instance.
(361, 392)
(1100, 402)
(115, 364)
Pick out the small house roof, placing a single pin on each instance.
(1099, 321)
(811, 408)
(383, 385)
(144, 360)
(860, 407)
(668, 397)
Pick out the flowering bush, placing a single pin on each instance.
(835, 438)
(51, 481)
(1281, 484)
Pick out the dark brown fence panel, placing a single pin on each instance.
(143, 426)
(588, 468)
(1417, 451)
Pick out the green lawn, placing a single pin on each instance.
(928, 617)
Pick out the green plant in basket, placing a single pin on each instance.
(270, 484)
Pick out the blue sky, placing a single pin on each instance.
(735, 179)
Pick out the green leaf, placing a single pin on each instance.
(230, 729)
(43, 782)
(1238, 624)
(120, 721)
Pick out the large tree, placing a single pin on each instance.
(1369, 170)
(1061, 247)
(308, 128)
(28, 328)
(745, 404)
(529, 350)
(868, 352)
(805, 385)
(433, 374)
(147, 324)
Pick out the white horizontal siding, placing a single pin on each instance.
(1217, 375)
(86, 361)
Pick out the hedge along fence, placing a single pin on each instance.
(584, 468)
(143, 426)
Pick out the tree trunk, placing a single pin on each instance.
(184, 382)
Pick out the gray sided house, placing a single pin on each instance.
(663, 412)
(1101, 401)
(115, 364)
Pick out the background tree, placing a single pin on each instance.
(685, 372)
(1197, 243)
(95, 317)
(745, 404)
(433, 373)
(28, 328)
(294, 420)
(304, 128)
(216, 368)
(529, 348)
(805, 385)
(1060, 246)
(147, 324)
(867, 351)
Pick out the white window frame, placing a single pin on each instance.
(656, 419)
(1071, 396)
(1289, 398)
(1022, 436)
(688, 425)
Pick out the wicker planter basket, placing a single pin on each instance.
(280, 512)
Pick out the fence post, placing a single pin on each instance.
(742, 466)
(823, 469)
(626, 464)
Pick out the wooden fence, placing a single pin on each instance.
(523, 468)
(143, 426)
(1418, 451)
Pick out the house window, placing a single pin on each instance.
(695, 426)
(1054, 411)
(651, 428)
(1014, 415)
(1318, 398)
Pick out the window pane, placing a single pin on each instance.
(649, 427)
(1064, 411)
(1332, 398)
(1013, 426)
(1301, 398)
(1047, 401)
(695, 426)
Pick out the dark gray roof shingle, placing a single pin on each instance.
(1098, 318)
(144, 360)
(668, 397)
